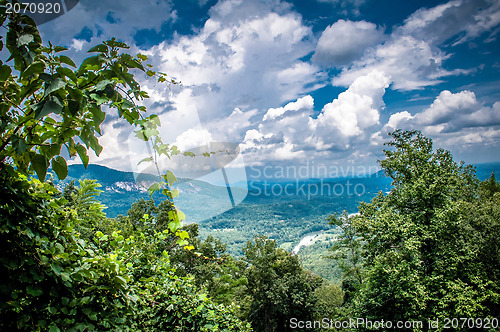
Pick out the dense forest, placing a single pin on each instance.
(426, 253)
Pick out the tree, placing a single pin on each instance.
(425, 245)
(58, 273)
(278, 288)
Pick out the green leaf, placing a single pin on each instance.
(142, 57)
(56, 268)
(53, 105)
(98, 115)
(145, 160)
(94, 145)
(68, 73)
(170, 178)
(33, 69)
(40, 165)
(141, 134)
(5, 72)
(99, 99)
(89, 62)
(60, 167)
(155, 119)
(99, 48)
(67, 60)
(34, 291)
(184, 235)
(19, 144)
(54, 329)
(82, 152)
(103, 84)
(154, 187)
(60, 49)
(57, 84)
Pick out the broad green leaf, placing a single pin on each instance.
(82, 152)
(34, 291)
(53, 105)
(5, 72)
(98, 115)
(99, 99)
(67, 60)
(68, 73)
(33, 69)
(60, 167)
(56, 268)
(140, 134)
(94, 145)
(40, 165)
(170, 178)
(54, 329)
(181, 215)
(183, 235)
(60, 49)
(91, 61)
(19, 144)
(154, 187)
(142, 57)
(155, 119)
(99, 48)
(57, 84)
(103, 84)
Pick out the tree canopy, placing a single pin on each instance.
(428, 248)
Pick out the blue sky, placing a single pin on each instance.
(307, 80)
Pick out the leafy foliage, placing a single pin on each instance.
(57, 280)
(429, 247)
(63, 272)
(278, 288)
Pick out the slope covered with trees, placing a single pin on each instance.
(429, 248)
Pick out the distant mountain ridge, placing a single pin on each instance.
(122, 188)
(287, 212)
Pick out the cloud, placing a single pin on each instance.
(462, 19)
(456, 121)
(412, 56)
(241, 61)
(345, 41)
(293, 131)
(448, 107)
(108, 18)
(357, 108)
(411, 63)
